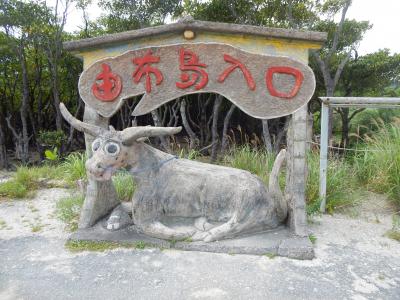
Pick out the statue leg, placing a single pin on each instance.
(158, 230)
(202, 224)
(226, 230)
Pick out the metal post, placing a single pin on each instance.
(323, 160)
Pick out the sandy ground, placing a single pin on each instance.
(354, 261)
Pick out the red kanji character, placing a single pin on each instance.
(237, 64)
(145, 69)
(284, 70)
(190, 62)
(111, 86)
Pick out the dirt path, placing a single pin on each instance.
(354, 261)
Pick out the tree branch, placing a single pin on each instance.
(338, 31)
(323, 67)
(340, 68)
(355, 112)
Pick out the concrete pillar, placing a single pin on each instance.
(297, 172)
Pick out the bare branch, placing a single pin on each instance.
(194, 141)
(227, 119)
(15, 134)
(323, 67)
(340, 68)
(290, 14)
(338, 31)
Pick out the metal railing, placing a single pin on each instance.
(327, 103)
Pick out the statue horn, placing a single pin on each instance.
(132, 134)
(79, 125)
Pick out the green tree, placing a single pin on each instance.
(19, 21)
(368, 76)
(343, 39)
(273, 13)
(124, 15)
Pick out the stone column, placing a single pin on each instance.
(297, 172)
(101, 197)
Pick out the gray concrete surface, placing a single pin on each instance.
(40, 268)
(353, 261)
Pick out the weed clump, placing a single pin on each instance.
(13, 189)
(393, 234)
(68, 209)
(312, 238)
(101, 246)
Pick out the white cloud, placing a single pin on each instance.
(384, 15)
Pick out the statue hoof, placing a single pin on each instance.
(200, 236)
(118, 219)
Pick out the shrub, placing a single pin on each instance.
(52, 138)
(13, 189)
(27, 177)
(52, 155)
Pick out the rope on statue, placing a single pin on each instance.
(151, 168)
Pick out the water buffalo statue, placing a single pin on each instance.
(223, 202)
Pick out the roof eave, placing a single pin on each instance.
(117, 38)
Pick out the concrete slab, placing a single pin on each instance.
(277, 242)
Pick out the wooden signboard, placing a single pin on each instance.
(263, 86)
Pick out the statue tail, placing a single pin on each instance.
(274, 188)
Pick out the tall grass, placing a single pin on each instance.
(13, 189)
(27, 179)
(124, 186)
(377, 169)
(258, 162)
(73, 167)
(379, 166)
(342, 186)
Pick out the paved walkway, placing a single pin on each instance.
(354, 261)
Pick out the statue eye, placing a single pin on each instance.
(96, 145)
(112, 148)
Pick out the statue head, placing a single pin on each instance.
(113, 149)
